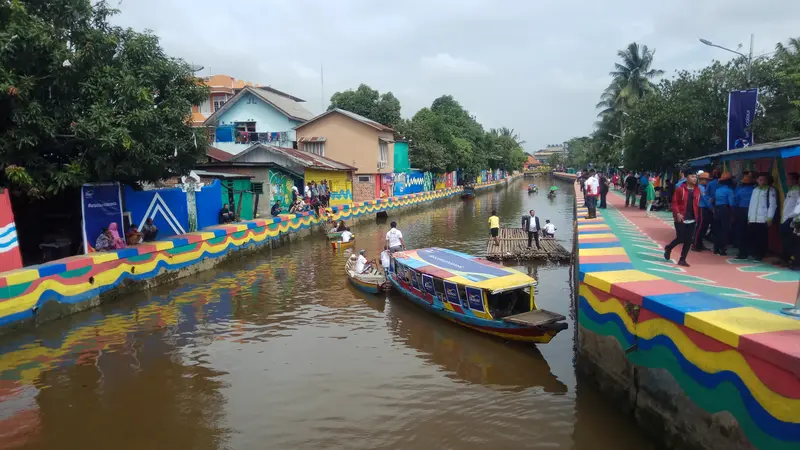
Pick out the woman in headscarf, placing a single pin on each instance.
(118, 241)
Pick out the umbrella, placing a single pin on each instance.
(553, 188)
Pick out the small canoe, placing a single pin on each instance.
(340, 244)
(372, 283)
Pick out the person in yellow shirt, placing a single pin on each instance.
(494, 227)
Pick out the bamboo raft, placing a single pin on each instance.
(514, 245)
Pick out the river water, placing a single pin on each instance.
(278, 351)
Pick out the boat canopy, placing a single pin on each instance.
(463, 269)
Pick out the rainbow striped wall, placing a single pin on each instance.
(74, 282)
(724, 357)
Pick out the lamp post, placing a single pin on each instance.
(749, 57)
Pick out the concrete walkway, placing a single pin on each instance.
(758, 284)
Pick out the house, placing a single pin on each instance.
(275, 170)
(237, 191)
(255, 114)
(532, 163)
(355, 140)
(548, 152)
(221, 89)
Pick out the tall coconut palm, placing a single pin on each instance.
(635, 73)
(612, 100)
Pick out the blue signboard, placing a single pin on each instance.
(101, 205)
(475, 298)
(741, 112)
(427, 281)
(414, 282)
(451, 291)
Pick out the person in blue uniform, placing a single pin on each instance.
(644, 180)
(706, 213)
(712, 186)
(723, 202)
(741, 199)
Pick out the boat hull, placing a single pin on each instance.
(369, 288)
(464, 317)
(339, 244)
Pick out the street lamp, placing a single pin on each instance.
(749, 57)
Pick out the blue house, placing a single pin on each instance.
(257, 114)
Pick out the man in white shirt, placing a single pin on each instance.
(362, 264)
(791, 213)
(386, 258)
(762, 209)
(394, 239)
(347, 235)
(549, 229)
(592, 192)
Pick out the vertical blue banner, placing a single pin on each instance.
(451, 291)
(414, 282)
(427, 281)
(101, 205)
(741, 113)
(475, 298)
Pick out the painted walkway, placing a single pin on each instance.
(749, 283)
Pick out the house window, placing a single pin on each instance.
(383, 147)
(363, 179)
(245, 132)
(219, 100)
(317, 148)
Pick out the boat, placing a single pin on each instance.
(469, 192)
(533, 189)
(474, 293)
(372, 282)
(339, 244)
(335, 234)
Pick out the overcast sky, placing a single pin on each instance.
(537, 66)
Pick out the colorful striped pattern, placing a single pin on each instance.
(726, 357)
(77, 279)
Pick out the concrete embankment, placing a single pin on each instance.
(695, 370)
(37, 294)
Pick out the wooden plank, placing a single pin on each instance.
(514, 245)
(535, 318)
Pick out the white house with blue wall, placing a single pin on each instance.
(257, 115)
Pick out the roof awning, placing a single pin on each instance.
(312, 139)
(388, 141)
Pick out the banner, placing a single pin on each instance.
(10, 258)
(413, 275)
(451, 291)
(741, 113)
(475, 298)
(427, 282)
(101, 205)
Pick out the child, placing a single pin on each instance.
(494, 227)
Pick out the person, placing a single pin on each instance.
(307, 192)
(790, 213)
(276, 209)
(295, 194)
(723, 202)
(323, 193)
(341, 226)
(346, 235)
(383, 193)
(631, 185)
(615, 180)
(149, 230)
(592, 191)
(394, 239)
(494, 227)
(386, 258)
(549, 229)
(685, 210)
(741, 198)
(603, 190)
(650, 193)
(225, 214)
(362, 265)
(104, 242)
(644, 180)
(314, 191)
(760, 213)
(115, 237)
(133, 236)
(706, 214)
(530, 223)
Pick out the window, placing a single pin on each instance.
(363, 179)
(219, 100)
(383, 148)
(317, 148)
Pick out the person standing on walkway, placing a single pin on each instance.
(631, 185)
(710, 189)
(494, 227)
(650, 192)
(741, 198)
(592, 192)
(530, 223)
(644, 180)
(685, 210)
(706, 213)
(760, 213)
(603, 190)
(394, 239)
(723, 202)
(790, 213)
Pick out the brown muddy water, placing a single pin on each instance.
(278, 351)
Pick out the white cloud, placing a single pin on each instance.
(445, 64)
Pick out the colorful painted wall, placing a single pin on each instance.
(721, 355)
(341, 184)
(167, 208)
(10, 257)
(72, 282)
(280, 184)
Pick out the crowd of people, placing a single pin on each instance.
(110, 239)
(316, 197)
(714, 206)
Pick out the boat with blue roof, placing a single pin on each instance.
(475, 293)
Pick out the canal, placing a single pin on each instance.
(278, 351)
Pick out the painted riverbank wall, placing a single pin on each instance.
(37, 294)
(695, 370)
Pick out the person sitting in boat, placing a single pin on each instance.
(386, 258)
(346, 235)
(549, 229)
(362, 265)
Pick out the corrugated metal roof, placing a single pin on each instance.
(351, 115)
(305, 159)
(312, 139)
(205, 173)
(785, 143)
(286, 106)
(219, 155)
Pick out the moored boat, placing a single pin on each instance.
(469, 192)
(475, 293)
(371, 282)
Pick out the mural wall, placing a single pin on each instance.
(411, 182)
(209, 202)
(10, 257)
(280, 184)
(338, 181)
(167, 208)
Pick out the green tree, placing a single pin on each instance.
(82, 100)
(365, 101)
(635, 72)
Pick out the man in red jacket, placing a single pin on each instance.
(686, 211)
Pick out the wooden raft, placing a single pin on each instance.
(514, 245)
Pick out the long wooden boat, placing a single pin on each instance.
(339, 244)
(475, 293)
(372, 283)
(469, 192)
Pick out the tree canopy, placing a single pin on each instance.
(84, 101)
(382, 108)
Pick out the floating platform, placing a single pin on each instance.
(514, 245)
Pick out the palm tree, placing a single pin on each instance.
(612, 100)
(507, 132)
(634, 74)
